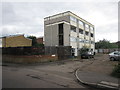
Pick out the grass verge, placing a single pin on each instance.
(116, 71)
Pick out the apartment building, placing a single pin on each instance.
(68, 29)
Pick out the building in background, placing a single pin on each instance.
(40, 40)
(68, 29)
(16, 41)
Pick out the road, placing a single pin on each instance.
(47, 75)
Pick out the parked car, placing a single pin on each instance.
(87, 54)
(114, 55)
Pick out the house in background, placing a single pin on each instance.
(16, 41)
(68, 29)
(40, 40)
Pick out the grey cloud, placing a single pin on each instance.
(8, 14)
(28, 16)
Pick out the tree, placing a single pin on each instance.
(34, 41)
(83, 50)
(105, 44)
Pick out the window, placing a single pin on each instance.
(73, 19)
(92, 42)
(80, 31)
(73, 28)
(60, 28)
(73, 50)
(81, 40)
(91, 28)
(61, 40)
(73, 39)
(86, 33)
(91, 35)
(86, 26)
(86, 41)
(81, 23)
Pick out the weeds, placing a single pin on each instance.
(116, 71)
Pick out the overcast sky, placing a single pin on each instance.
(28, 17)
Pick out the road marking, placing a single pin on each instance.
(109, 83)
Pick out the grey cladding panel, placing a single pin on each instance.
(54, 35)
(66, 34)
(64, 18)
(47, 36)
(51, 35)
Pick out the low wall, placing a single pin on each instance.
(23, 51)
(28, 59)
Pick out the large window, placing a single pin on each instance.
(73, 28)
(86, 26)
(73, 51)
(91, 28)
(60, 28)
(73, 39)
(81, 40)
(92, 42)
(91, 34)
(73, 19)
(86, 41)
(61, 40)
(81, 23)
(80, 31)
(86, 33)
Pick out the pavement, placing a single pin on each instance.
(97, 80)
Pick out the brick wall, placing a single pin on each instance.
(16, 41)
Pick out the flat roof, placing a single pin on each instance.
(69, 12)
(15, 36)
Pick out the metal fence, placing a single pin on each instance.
(106, 51)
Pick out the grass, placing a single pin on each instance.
(116, 71)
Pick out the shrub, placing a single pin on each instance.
(83, 50)
(116, 71)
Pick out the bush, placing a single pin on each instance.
(83, 50)
(116, 71)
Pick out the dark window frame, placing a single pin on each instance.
(73, 28)
(92, 35)
(80, 31)
(86, 33)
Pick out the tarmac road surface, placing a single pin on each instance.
(56, 75)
